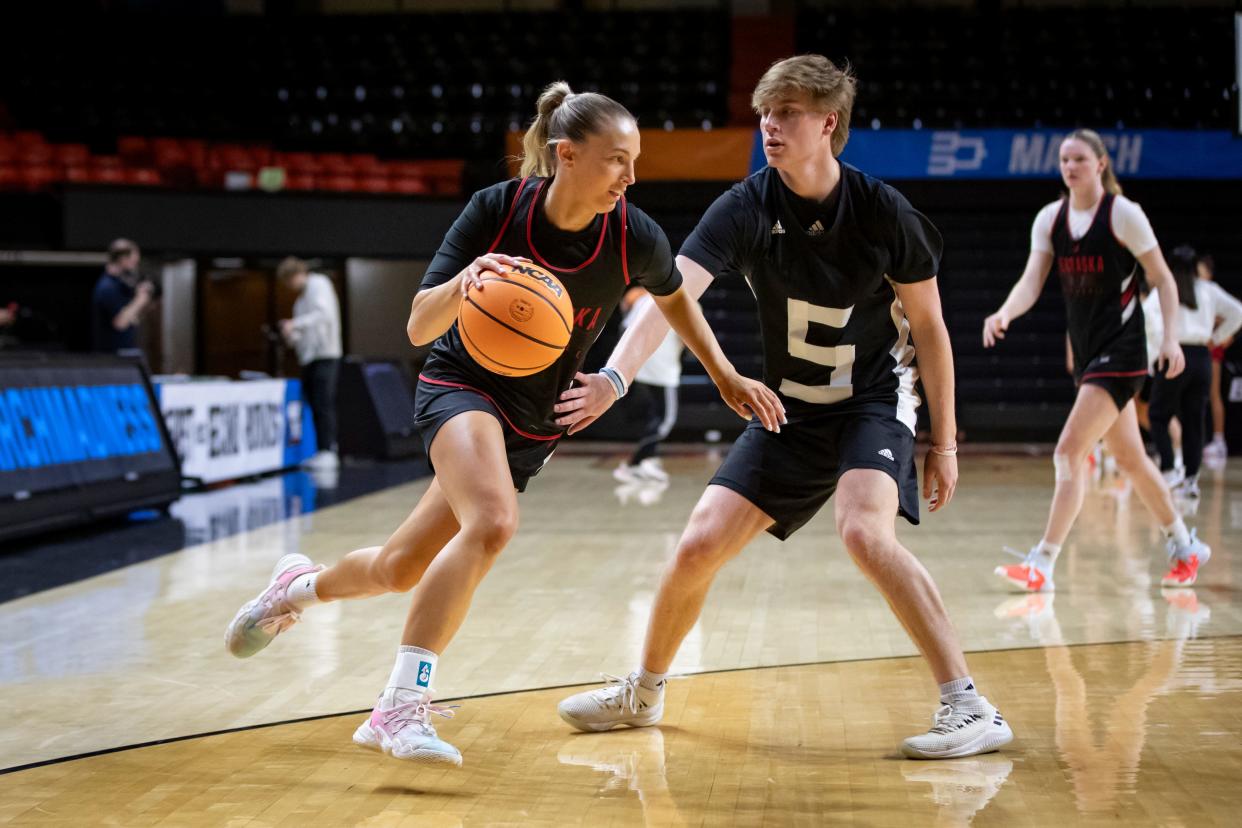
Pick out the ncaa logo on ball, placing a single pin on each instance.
(521, 310)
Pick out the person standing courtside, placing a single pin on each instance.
(843, 270)
(119, 299)
(315, 331)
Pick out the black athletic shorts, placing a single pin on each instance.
(1122, 385)
(790, 475)
(436, 402)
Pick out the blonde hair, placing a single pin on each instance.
(564, 114)
(830, 88)
(1093, 140)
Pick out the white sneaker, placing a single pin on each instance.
(625, 473)
(1185, 560)
(961, 730)
(1189, 488)
(404, 731)
(323, 461)
(269, 614)
(652, 469)
(616, 703)
(1216, 450)
(1173, 477)
(1032, 575)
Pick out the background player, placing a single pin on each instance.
(655, 390)
(844, 273)
(1207, 317)
(487, 435)
(1093, 237)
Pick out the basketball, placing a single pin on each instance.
(519, 323)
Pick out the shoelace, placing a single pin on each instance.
(1173, 548)
(623, 689)
(948, 719)
(1027, 558)
(276, 624)
(415, 713)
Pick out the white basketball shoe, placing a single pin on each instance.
(270, 613)
(616, 703)
(962, 729)
(404, 731)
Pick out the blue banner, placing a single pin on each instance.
(1035, 153)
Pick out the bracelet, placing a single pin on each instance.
(945, 451)
(619, 385)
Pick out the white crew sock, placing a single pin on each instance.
(650, 686)
(411, 677)
(1048, 553)
(1177, 531)
(958, 691)
(301, 591)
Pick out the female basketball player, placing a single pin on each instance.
(822, 245)
(1092, 237)
(1207, 316)
(487, 435)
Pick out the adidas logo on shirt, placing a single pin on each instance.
(777, 230)
(816, 229)
(886, 454)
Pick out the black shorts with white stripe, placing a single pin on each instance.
(790, 475)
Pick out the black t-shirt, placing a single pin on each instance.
(110, 297)
(596, 265)
(1099, 280)
(835, 337)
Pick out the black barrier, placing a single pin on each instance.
(81, 437)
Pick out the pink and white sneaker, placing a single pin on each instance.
(1031, 575)
(404, 731)
(267, 616)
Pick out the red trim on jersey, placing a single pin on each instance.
(1129, 293)
(1098, 374)
(625, 229)
(509, 217)
(486, 396)
(530, 242)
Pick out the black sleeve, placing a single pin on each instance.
(471, 234)
(916, 244)
(651, 257)
(109, 299)
(723, 240)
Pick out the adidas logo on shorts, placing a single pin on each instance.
(886, 454)
(816, 229)
(777, 230)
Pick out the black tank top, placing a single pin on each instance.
(1099, 279)
(595, 287)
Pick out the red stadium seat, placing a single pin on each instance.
(410, 185)
(71, 155)
(9, 179)
(39, 176)
(142, 176)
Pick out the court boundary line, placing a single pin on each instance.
(722, 671)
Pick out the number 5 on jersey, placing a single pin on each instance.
(840, 358)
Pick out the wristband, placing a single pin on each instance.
(945, 451)
(619, 385)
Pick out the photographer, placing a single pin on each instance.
(120, 299)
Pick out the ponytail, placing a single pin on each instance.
(563, 114)
(1093, 140)
(537, 149)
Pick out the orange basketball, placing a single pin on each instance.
(519, 323)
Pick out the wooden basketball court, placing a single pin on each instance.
(122, 707)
